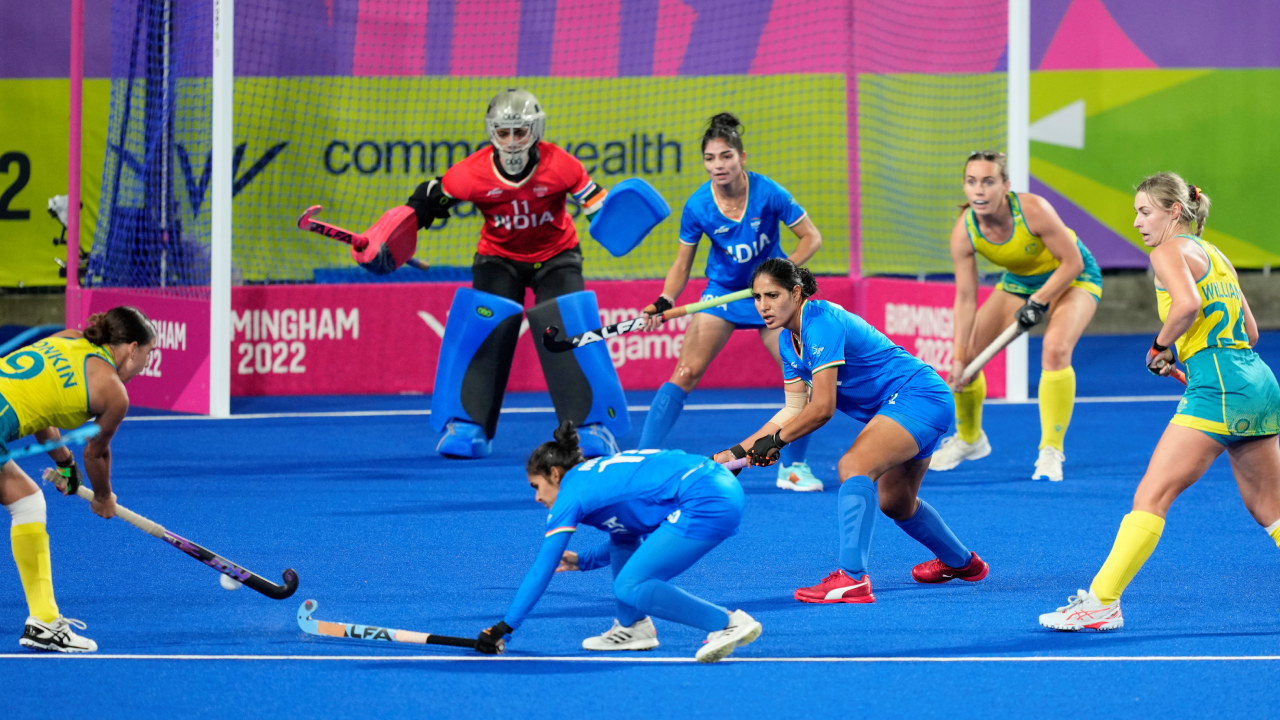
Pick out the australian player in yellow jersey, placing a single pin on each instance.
(1049, 275)
(1232, 401)
(63, 381)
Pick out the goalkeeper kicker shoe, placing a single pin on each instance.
(465, 440)
(838, 588)
(595, 440)
(1084, 611)
(936, 571)
(1049, 465)
(798, 477)
(954, 451)
(56, 636)
(741, 630)
(641, 635)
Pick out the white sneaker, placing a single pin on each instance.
(1084, 611)
(1049, 465)
(798, 477)
(640, 636)
(742, 629)
(953, 451)
(56, 636)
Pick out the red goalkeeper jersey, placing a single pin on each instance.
(525, 221)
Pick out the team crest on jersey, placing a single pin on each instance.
(494, 192)
(540, 190)
(755, 223)
(1030, 249)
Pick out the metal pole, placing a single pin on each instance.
(1019, 158)
(220, 210)
(72, 307)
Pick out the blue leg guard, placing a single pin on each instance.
(583, 383)
(642, 584)
(471, 375)
(663, 413)
(931, 531)
(858, 507)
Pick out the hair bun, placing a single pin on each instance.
(566, 435)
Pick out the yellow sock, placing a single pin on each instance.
(969, 409)
(1139, 533)
(1057, 399)
(31, 553)
(1274, 531)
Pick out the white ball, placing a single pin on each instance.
(229, 583)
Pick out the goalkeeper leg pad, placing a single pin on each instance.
(392, 241)
(475, 360)
(583, 383)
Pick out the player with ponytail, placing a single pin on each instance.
(739, 211)
(839, 362)
(685, 504)
(63, 381)
(1232, 401)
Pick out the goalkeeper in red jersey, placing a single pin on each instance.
(521, 186)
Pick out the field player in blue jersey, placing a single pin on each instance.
(685, 504)
(740, 212)
(850, 366)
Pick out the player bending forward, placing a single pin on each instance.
(850, 366)
(686, 504)
(528, 240)
(1232, 402)
(62, 382)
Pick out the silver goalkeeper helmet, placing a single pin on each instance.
(514, 122)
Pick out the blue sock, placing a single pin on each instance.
(663, 412)
(795, 451)
(930, 530)
(858, 506)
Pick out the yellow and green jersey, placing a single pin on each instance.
(46, 384)
(1220, 323)
(1026, 259)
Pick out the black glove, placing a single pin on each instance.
(766, 450)
(1031, 314)
(491, 641)
(738, 452)
(71, 477)
(429, 203)
(661, 305)
(1158, 357)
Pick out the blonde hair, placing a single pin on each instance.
(1168, 188)
(991, 156)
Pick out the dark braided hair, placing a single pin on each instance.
(787, 275)
(119, 326)
(563, 452)
(724, 126)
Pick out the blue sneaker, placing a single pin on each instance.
(798, 477)
(464, 440)
(596, 441)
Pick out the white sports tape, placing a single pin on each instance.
(30, 509)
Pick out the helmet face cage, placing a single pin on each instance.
(514, 109)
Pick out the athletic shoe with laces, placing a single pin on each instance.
(464, 440)
(741, 630)
(936, 571)
(1049, 465)
(641, 635)
(56, 636)
(954, 451)
(798, 477)
(595, 440)
(1084, 611)
(838, 588)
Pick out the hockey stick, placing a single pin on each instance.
(373, 632)
(357, 241)
(79, 436)
(736, 463)
(551, 341)
(204, 555)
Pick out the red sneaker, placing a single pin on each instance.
(838, 588)
(936, 571)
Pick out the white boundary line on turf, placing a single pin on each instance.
(673, 660)
(632, 408)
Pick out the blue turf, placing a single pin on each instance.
(382, 531)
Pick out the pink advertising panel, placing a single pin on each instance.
(177, 373)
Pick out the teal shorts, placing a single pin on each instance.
(10, 428)
(1231, 395)
(1089, 280)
